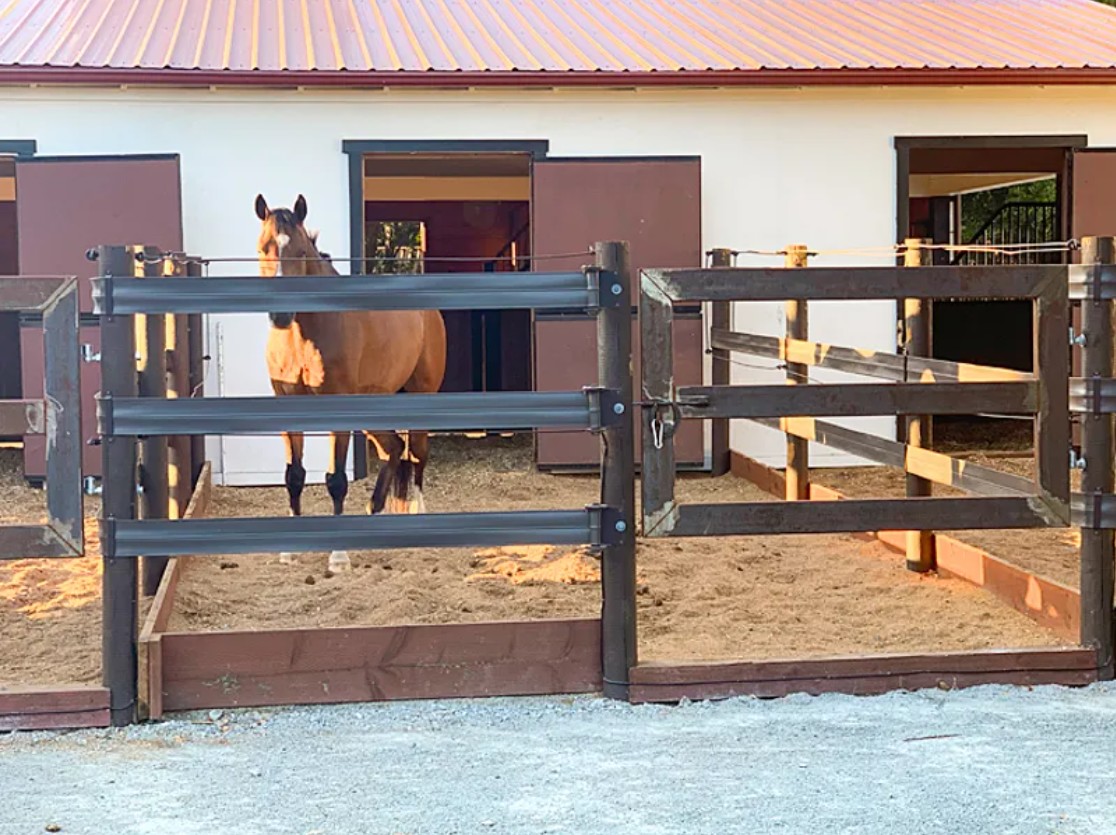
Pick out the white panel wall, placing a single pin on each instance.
(779, 166)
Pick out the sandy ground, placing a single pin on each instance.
(755, 597)
(986, 761)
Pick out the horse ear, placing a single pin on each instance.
(262, 211)
(300, 208)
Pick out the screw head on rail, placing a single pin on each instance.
(621, 526)
(618, 408)
(616, 289)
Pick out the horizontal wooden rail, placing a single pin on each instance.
(862, 361)
(855, 516)
(859, 283)
(933, 466)
(22, 417)
(857, 399)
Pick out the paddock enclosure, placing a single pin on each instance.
(527, 582)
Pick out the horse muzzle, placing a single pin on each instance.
(281, 320)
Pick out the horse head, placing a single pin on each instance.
(285, 247)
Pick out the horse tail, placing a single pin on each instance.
(404, 480)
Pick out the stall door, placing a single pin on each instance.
(655, 205)
(1094, 183)
(66, 206)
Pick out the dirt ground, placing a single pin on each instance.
(754, 597)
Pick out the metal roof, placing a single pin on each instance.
(370, 42)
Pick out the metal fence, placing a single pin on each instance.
(124, 417)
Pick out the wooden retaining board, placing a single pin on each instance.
(861, 675)
(202, 670)
(54, 708)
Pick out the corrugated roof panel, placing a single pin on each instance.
(273, 37)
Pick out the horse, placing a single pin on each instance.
(353, 352)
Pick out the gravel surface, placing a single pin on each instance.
(990, 759)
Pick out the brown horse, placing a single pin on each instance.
(355, 352)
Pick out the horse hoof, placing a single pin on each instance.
(286, 558)
(339, 561)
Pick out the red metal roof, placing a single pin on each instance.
(362, 42)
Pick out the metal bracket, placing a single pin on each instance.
(1093, 511)
(1092, 282)
(605, 408)
(604, 287)
(1079, 339)
(1092, 395)
(92, 485)
(88, 354)
(108, 537)
(1076, 462)
(104, 414)
(606, 525)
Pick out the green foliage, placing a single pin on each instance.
(399, 244)
(979, 207)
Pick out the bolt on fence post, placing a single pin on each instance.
(1097, 548)
(798, 449)
(917, 343)
(721, 371)
(118, 502)
(618, 563)
(151, 365)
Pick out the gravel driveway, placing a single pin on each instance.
(990, 759)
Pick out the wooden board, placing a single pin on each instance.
(862, 675)
(162, 605)
(359, 664)
(54, 708)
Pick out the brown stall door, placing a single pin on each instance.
(655, 205)
(1094, 183)
(69, 205)
(66, 206)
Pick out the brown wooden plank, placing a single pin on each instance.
(856, 516)
(857, 399)
(55, 707)
(768, 479)
(342, 664)
(858, 686)
(22, 417)
(859, 283)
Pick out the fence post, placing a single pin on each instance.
(118, 501)
(798, 327)
(1097, 549)
(916, 343)
(151, 365)
(722, 370)
(178, 385)
(195, 352)
(618, 563)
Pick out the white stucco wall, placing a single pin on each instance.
(779, 166)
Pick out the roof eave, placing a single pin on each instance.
(96, 76)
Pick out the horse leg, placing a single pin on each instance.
(419, 454)
(389, 449)
(295, 480)
(338, 485)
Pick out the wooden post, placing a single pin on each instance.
(195, 350)
(722, 370)
(1097, 550)
(178, 385)
(798, 449)
(118, 502)
(618, 563)
(916, 342)
(151, 365)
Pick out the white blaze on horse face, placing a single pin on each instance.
(281, 240)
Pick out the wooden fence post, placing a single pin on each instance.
(195, 375)
(618, 563)
(798, 449)
(722, 369)
(916, 343)
(118, 502)
(1097, 549)
(151, 366)
(179, 467)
